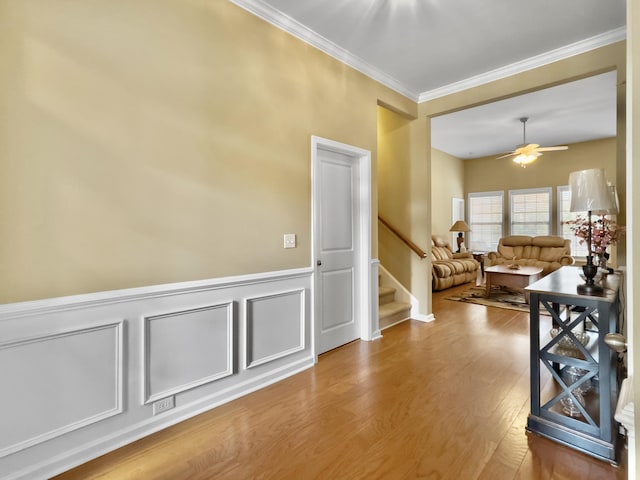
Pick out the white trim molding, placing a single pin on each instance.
(175, 342)
(362, 261)
(100, 361)
(537, 61)
(281, 312)
(302, 32)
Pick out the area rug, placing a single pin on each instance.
(500, 298)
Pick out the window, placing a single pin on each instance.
(564, 203)
(530, 211)
(485, 220)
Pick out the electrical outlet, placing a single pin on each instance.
(289, 240)
(164, 404)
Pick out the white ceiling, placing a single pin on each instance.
(573, 112)
(429, 48)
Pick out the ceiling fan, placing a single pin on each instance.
(526, 153)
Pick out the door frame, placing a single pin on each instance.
(362, 161)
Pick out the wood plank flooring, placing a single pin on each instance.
(443, 400)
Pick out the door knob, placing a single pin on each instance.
(319, 262)
(616, 342)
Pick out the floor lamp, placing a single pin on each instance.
(589, 193)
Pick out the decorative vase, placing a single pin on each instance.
(601, 260)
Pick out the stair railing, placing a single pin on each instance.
(415, 248)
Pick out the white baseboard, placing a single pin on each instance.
(424, 318)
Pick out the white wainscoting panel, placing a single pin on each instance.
(79, 375)
(187, 348)
(274, 326)
(54, 384)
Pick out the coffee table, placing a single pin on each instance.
(501, 275)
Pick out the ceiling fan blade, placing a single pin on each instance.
(550, 149)
(527, 149)
(527, 153)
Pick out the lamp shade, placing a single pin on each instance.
(615, 203)
(460, 226)
(589, 191)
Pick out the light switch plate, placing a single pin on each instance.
(289, 240)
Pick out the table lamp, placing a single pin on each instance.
(589, 193)
(460, 226)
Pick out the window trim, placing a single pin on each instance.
(528, 191)
(493, 193)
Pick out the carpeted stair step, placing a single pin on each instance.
(393, 312)
(386, 295)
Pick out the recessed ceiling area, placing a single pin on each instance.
(573, 112)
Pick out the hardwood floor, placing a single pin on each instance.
(443, 400)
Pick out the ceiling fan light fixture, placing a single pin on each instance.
(527, 153)
(525, 159)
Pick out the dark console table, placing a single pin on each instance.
(574, 382)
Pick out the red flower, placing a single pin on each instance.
(604, 232)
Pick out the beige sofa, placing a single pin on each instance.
(449, 269)
(549, 252)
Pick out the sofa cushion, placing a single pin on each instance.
(517, 251)
(439, 241)
(548, 241)
(440, 253)
(551, 254)
(442, 269)
(516, 240)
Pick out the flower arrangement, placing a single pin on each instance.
(604, 232)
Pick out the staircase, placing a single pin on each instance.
(390, 311)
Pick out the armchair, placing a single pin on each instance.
(449, 269)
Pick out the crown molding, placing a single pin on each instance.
(546, 58)
(300, 31)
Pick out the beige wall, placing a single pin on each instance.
(160, 141)
(394, 170)
(447, 183)
(550, 170)
(403, 201)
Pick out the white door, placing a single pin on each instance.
(341, 275)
